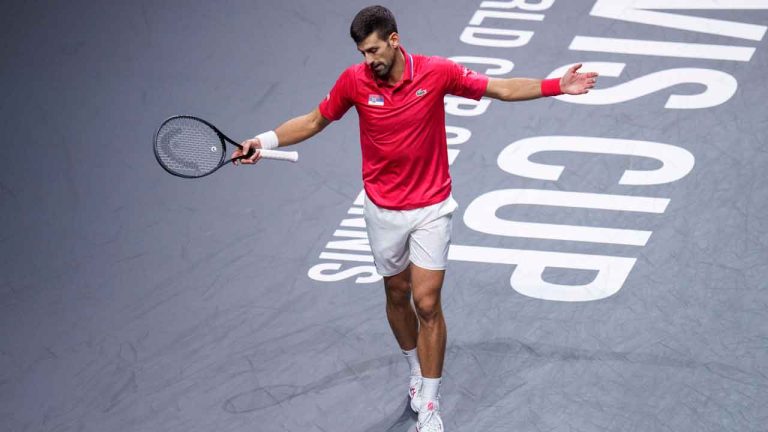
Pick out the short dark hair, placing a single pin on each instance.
(373, 19)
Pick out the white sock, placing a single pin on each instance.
(430, 388)
(413, 361)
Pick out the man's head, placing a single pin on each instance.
(374, 30)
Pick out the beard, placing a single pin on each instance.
(381, 70)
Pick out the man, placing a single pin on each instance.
(408, 205)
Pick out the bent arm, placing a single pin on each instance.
(291, 132)
(301, 128)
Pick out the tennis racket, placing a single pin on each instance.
(190, 147)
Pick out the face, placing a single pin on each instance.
(379, 54)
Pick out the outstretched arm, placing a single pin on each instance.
(520, 89)
(291, 132)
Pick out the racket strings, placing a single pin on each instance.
(189, 147)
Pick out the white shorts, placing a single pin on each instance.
(398, 237)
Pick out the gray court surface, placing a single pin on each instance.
(131, 300)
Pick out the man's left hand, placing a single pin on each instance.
(575, 83)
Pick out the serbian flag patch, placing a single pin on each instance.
(377, 100)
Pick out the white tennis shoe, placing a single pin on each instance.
(429, 417)
(414, 392)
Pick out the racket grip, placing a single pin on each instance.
(290, 156)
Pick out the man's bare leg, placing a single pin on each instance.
(400, 313)
(426, 287)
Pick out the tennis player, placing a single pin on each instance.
(408, 203)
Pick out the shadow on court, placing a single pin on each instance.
(497, 376)
(406, 422)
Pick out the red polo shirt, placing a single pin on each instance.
(402, 127)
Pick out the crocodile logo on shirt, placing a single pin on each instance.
(421, 92)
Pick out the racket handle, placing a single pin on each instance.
(290, 156)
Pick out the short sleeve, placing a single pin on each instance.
(464, 82)
(341, 97)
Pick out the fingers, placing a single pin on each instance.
(236, 154)
(247, 146)
(589, 80)
(574, 68)
(578, 83)
(254, 144)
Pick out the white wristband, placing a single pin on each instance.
(268, 140)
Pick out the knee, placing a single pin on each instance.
(398, 292)
(427, 308)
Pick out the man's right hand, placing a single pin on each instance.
(247, 145)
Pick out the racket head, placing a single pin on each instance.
(189, 147)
